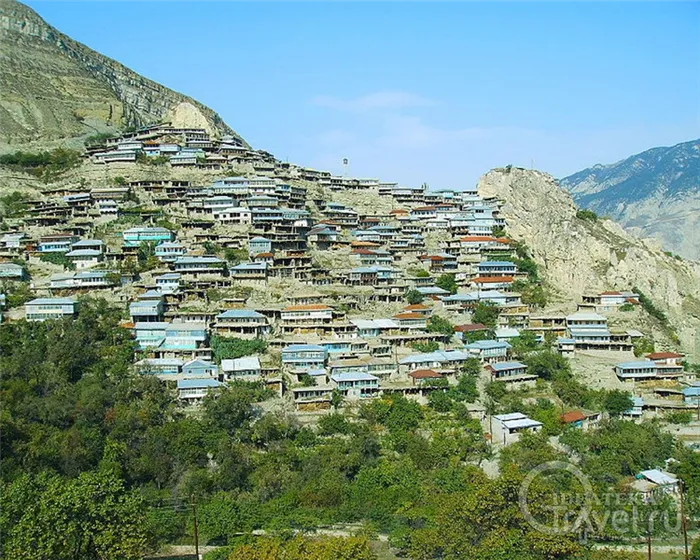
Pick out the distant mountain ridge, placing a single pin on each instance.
(53, 87)
(655, 193)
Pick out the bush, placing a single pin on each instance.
(97, 139)
(439, 325)
(46, 165)
(57, 258)
(332, 424)
(587, 215)
(548, 365)
(231, 348)
(14, 205)
(679, 417)
(430, 346)
(414, 297)
(626, 307)
(643, 346)
(447, 282)
(617, 402)
(486, 313)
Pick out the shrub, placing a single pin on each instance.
(447, 282)
(97, 139)
(430, 346)
(485, 313)
(414, 297)
(46, 165)
(626, 307)
(616, 402)
(548, 365)
(231, 348)
(439, 325)
(57, 258)
(587, 215)
(643, 346)
(679, 417)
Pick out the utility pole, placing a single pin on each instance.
(196, 527)
(684, 525)
(648, 544)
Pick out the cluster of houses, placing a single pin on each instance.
(328, 344)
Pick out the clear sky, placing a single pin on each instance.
(419, 92)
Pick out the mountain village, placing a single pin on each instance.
(335, 302)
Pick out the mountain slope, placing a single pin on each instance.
(578, 255)
(52, 87)
(655, 193)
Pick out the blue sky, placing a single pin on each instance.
(419, 92)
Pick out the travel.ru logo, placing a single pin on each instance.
(579, 510)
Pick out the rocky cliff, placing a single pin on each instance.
(655, 193)
(580, 255)
(52, 87)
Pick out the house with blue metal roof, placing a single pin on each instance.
(304, 357)
(143, 310)
(249, 271)
(199, 368)
(44, 309)
(636, 371)
(496, 268)
(241, 323)
(133, 237)
(195, 265)
(246, 368)
(166, 367)
(691, 395)
(441, 360)
(489, 351)
(257, 245)
(356, 385)
(512, 373)
(637, 408)
(169, 251)
(195, 390)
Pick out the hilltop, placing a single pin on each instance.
(655, 193)
(56, 89)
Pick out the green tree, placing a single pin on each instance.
(332, 424)
(226, 348)
(90, 517)
(486, 313)
(426, 347)
(498, 231)
(525, 343)
(643, 346)
(472, 366)
(617, 402)
(414, 297)
(548, 365)
(447, 282)
(437, 324)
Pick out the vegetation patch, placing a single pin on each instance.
(45, 165)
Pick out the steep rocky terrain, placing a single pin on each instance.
(655, 193)
(580, 255)
(52, 87)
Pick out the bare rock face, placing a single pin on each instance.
(579, 255)
(53, 87)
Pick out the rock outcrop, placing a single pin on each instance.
(580, 255)
(52, 87)
(655, 193)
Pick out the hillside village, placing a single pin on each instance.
(255, 270)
